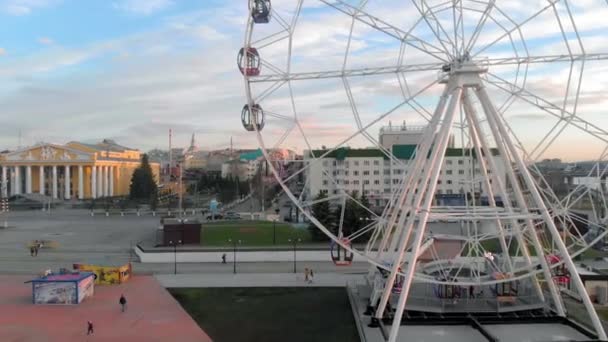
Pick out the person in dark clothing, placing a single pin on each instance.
(89, 328)
(123, 302)
(32, 251)
(224, 258)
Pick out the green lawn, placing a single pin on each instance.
(251, 233)
(271, 314)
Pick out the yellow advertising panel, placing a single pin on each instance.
(105, 275)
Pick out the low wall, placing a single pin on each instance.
(241, 256)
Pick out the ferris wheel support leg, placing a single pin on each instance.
(529, 181)
(395, 231)
(409, 195)
(481, 141)
(502, 144)
(428, 193)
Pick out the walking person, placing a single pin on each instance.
(306, 273)
(224, 258)
(123, 302)
(311, 275)
(90, 328)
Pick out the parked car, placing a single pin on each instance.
(215, 217)
(232, 216)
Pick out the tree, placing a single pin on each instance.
(143, 185)
(322, 212)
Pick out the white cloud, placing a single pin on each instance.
(24, 7)
(142, 7)
(46, 41)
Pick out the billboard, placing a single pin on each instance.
(86, 288)
(54, 293)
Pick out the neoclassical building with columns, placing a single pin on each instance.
(72, 171)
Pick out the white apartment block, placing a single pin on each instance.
(369, 171)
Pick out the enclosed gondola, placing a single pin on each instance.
(252, 116)
(248, 61)
(260, 11)
(340, 255)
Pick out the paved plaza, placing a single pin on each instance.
(152, 315)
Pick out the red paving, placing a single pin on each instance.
(152, 315)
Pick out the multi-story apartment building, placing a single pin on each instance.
(371, 172)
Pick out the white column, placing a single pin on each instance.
(94, 181)
(67, 182)
(17, 180)
(54, 182)
(99, 182)
(106, 180)
(28, 179)
(111, 181)
(4, 183)
(41, 189)
(11, 171)
(80, 182)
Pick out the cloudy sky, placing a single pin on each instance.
(132, 69)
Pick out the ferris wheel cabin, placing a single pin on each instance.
(260, 11)
(341, 256)
(252, 116)
(248, 61)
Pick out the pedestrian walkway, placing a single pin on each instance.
(152, 314)
(256, 280)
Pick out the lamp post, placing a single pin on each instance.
(234, 242)
(174, 244)
(274, 232)
(294, 242)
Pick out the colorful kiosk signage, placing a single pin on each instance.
(63, 288)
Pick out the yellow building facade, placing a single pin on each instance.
(72, 171)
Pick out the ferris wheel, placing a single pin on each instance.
(494, 88)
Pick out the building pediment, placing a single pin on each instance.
(49, 153)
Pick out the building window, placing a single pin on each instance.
(387, 181)
(366, 182)
(366, 173)
(346, 182)
(323, 192)
(448, 162)
(460, 162)
(356, 163)
(461, 172)
(346, 163)
(439, 182)
(376, 162)
(366, 162)
(439, 192)
(386, 190)
(335, 163)
(356, 182)
(477, 171)
(449, 192)
(346, 172)
(387, 172)
(395, 181)
(448, 172)
(325, 182)
(449, 181)
(335, 192)
(377, 182)
(355, 173)
(334, 173)
(376, 172)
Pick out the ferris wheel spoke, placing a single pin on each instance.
(270, 39)
(268, 91)
(480, 25)
(547, 106)
(382, 26)
(435, 26)
(515, 28)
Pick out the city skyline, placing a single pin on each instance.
(130, 70)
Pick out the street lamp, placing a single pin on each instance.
(174, 244)
(234, 242)
(294, 242)
(274, 232)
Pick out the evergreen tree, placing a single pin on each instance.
(322, 212)
(143, 185)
